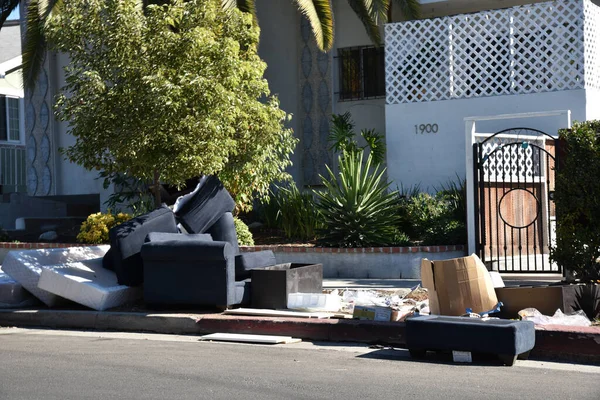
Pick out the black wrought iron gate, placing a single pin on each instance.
(514, 208)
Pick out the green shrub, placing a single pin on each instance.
(268, 211)
(434, 220)
(292, 211)
(299, 217)
(244, 235)
(130, 193)
(401, 239)
(94, 229)
(577, 199)
(357, 209)
(455, 193)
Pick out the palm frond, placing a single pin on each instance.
(34, 47)
(342, 133)
(320, 16)
(363, 12)
(6, 7)
(410, 9)
(375, 143)
(378, 9)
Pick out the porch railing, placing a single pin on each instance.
(12, 168)
(533, 48)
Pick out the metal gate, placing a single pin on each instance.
(515, 216)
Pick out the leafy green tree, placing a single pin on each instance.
(577, 199)
(170, 92)
(318, 12)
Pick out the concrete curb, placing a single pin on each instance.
(559, 343)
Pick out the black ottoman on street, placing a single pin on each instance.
(505, 338)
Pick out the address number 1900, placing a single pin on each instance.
(426, 128)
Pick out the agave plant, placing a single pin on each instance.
(357, 209)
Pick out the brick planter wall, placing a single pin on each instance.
(364, 263)
(354, 263)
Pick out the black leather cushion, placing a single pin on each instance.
(126, 242)
(204, 206)
(166, 236)
(224, 231)
(107, 261)
(246, 262)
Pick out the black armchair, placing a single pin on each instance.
(191, 270)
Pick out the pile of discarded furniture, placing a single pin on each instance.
(187, 256)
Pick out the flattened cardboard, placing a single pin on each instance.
(546, 299)
(457, 284)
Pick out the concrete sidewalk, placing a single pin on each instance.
(569, 344)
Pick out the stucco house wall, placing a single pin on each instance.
(282, 47)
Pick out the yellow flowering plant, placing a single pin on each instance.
(94, 229)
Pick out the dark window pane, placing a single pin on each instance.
(350, 85)
(362, 72)
(374, 72)
(3, 124)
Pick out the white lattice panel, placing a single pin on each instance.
(414, 61)
(547, 47)
(505, 161)
(592, 45)
(480, 54)
(526, 49)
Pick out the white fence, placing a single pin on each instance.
(12, 168)
(534, 48)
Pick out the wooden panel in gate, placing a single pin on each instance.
(515, 215)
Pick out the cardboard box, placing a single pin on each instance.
(372, 313)
(457, 284)
(546, 299)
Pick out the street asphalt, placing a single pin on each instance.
(44, 364)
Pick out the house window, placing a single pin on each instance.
(362, 73)
(9, 119)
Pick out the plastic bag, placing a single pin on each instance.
(315, 302)
(578, 318)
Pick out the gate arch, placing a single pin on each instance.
(515, 218)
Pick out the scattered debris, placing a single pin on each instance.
(246, 338)
(49, 236)
(457, 284)
(276, 313)
(315, 302)
(578, 318)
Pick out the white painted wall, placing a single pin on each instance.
(280, 28)
(350, 32)
(592, 104)
(433, 159)
(70, 178)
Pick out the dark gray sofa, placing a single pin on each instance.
(198, 270)
(184, 269)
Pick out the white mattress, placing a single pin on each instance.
(12, 294)
(25, 266)
(87, 283)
